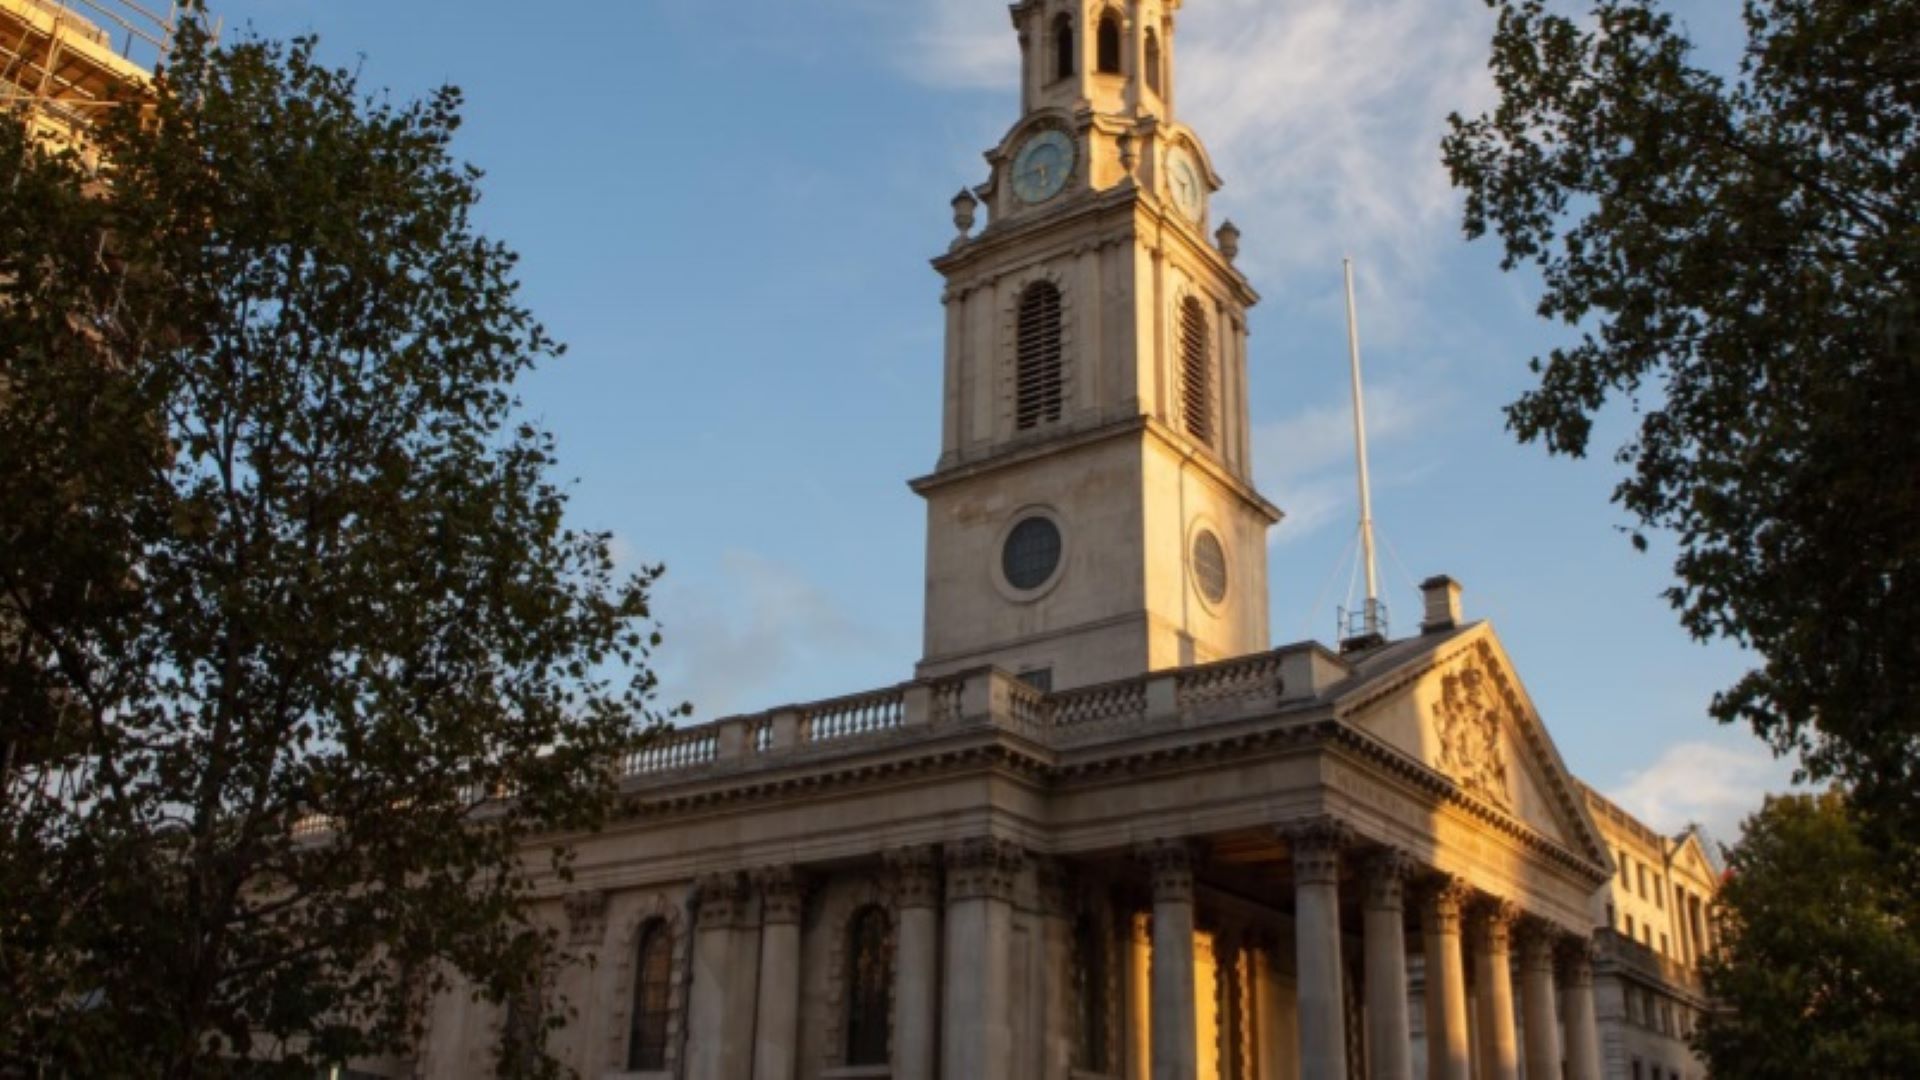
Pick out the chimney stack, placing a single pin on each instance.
(1442, 596)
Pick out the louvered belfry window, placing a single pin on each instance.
(1037, 375)
(1196, 374)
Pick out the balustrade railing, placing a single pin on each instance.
(845, 718)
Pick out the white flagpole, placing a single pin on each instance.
(1372, 615)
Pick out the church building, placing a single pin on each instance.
(1106, 829)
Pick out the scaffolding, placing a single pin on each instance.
(64, 61)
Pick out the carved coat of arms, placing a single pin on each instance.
(1467, 720)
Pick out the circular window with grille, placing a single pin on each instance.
(1209, 566)
(1031, 553)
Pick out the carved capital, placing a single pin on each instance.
(1170, 866)
(916, 875)
(1576, 961)
(721, 900)
(586, 917)
(1317, 844)
(1539, 941)
(1492, 921)
(1056, 887)
(982, 868)
(1387, 872)
(1441, 899)
(783, 894)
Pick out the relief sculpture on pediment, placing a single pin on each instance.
(1467, 720)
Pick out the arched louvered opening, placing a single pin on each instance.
(1107, 44)
(652, 997)
(1089, 997)
(1196, 371)
(1063, 65)
(1038, 380)
(869, 987)
(1153, 61)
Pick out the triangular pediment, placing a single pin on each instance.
(1455, 705)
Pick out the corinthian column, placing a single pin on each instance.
(1493, 988)
(1583, 1031)
(916, 991)
(1542, 1050)
(1174, 1040)
(776, 1034)
(1316, 923)
(719, 1037)
(1389, 1035)
(976, 1039)
(1449, 1053)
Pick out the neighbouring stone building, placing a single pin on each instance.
(1107, 830)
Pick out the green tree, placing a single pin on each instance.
(1818, 972)
(285, 590)
(1739, 257)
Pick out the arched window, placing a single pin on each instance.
(869, 987)
(652, 990)
(1089, 997)
(1153, 61)
(1063, 64)
(1037, 376)
(1108, 44)
(1196, 372)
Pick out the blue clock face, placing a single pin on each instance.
(1042, 166)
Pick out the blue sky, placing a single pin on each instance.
(726, 211)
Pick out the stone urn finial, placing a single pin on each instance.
(1228, 237)
(964, 205)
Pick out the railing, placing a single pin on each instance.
(1217, 693)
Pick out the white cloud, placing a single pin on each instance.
(1710, 784)
(1305, 461)
(730, 642)
(964, 44)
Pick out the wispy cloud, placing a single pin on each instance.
(733, 640)
(963, 44)
(1709, 784)
(1305, 460)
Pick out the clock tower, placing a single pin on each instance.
(1092, 515)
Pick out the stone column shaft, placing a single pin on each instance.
(1389, 1032)
(1537, 1003)
(976, 1035)
(916, 993)
(776, 1033)
(1449, 1049)
(1583, 1029)
(1316, 921)
(1174, 1039)
(1493, 987)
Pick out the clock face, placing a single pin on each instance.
(1183, 178)
(1043, 166)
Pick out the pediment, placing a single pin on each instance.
(1458, 708)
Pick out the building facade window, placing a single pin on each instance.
(869, 987)
(1089, 997)
(1153, 61)
(1063, 65)
(1107, 44)
(1039, 383)
(652, 997)
(1196, 371)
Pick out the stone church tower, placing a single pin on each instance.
(1093, 515)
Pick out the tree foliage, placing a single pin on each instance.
(285, 589)
(1739, 257)
(1818, 973)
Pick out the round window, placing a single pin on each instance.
(1032, 553)
(1209, 566)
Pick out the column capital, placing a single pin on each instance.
(721, 900)
(1492, 920)
(1539, 941)
(783, 893)
(916, 875)
(1387, 872)
(1317, 843)
(1055, 886)
(1170, 864)
(586, 916)
(1576, 960)
(983, 867)
(1442, 896)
